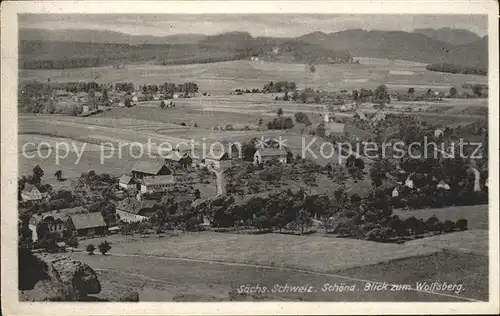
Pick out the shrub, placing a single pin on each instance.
(72, 241)
(380, 234)
(461, 224)
(449, 226)
(104, 247)
(90, 249)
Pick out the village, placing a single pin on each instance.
(194, 167)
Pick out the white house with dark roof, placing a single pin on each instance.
(218, 160)
(126, 182)
(156, 184)
(132, 210)
(267, 154)
(31, 193)
(143, 169)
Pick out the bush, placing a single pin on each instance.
(72, 241)
(90, 249)
(380, 234)
(461, 224)
(104, 247)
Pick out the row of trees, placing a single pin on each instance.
(460, 69)
(279, 86)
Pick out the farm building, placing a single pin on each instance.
(218, 161)
(268, 154)
(31, 193)
(156, 184)
(176, 159)
(131, 210)
(126, 182)
(87, 224)
(143, 169)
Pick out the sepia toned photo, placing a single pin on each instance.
(266, 157)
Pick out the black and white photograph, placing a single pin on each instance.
(274, 157)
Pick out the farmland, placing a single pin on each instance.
(226, 76)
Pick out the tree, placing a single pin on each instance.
(104, 247)
(104, 97)
(90, 249)
(381, 94)
(461, 224)
(477, 89)
(58, 175)
(304, 220)
(197, 194)
(279, 112)
(37, 175)
(301, 117)
(411, 91)
(453, 92)
(312, 69)
(162, 104)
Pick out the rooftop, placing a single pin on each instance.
(267, 152)
(88, 220)
(125, 179)
(133, 206)
(150, 167)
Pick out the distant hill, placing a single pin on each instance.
(449, 35)
(400, 45)
(105, 37)
(63, 48)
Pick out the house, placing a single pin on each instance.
(126, 182)
(218, 160)
(132, 210)
(31, 193)
(395, 192)
(85, 108)
(60, 94)
(55, 220)
(81, 97)
(438, 132)
(332, 129)
(267, 154)
(156, 184)
(143, 169)
(177, 159)
(87, 224)
(139, 97)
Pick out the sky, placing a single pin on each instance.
(280, 25)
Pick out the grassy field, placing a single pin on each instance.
(476, 215)
(160, 279)
(312, 252)
(227, 76)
